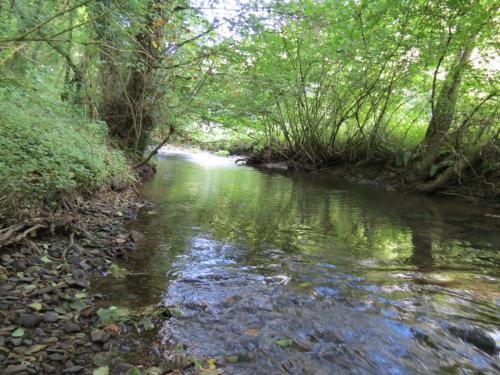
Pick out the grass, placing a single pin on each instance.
(50, 151)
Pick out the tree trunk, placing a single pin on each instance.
(442, 116)
(127, 97)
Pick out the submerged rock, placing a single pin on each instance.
(476, 337)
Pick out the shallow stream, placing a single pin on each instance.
(296, 273)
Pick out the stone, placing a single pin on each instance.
(476, 337)
(136, 236)
(51, 316)
(16, 341)
(99, 336)
(15, 370)
(29, 320)
(48, 368)
(71, 327)
(56, 357)
(72, 370)
(122, 368)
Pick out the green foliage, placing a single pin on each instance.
(49, 151)
(112, 313)
(358, 81)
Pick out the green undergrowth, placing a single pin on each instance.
(223, 141)
(49, 150)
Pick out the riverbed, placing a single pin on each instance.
(278, 272)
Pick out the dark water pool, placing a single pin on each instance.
(291, 273)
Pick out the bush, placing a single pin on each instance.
(49, 151)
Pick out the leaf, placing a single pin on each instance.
(45, 259)
(103, 370)
(36, 348)
(233, 358)
(211, 364)
(37, 306)
(155, 45)
(19, 332)
(147, 323)
(284, 343)
(133, 371)
(433, 170)
(78, 305)
(119, 272)
(111, 313)
(30, 287)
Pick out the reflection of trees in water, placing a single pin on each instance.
(422, 250)
(300, 212)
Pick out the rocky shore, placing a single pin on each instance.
(50, 322)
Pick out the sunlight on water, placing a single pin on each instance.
(304, 274)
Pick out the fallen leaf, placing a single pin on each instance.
(19, 332)
(251, 332)
(37, 306)
(78, 305)
(112, 329)
(104, 370)
(36, 348)
(284, 343)
(133, 371)
(211, 364)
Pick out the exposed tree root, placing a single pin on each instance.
(18, 232)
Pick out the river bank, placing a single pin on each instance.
(51, 323)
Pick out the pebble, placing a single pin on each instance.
(51, 316)
(99, 336)
(72, 370)
(71, 327)
(15, 370)
(52, 344)
(29, 320)
(122, 368)
(16, 341)
(56, 357)
(48, 368)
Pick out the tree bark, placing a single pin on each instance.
(442, 118)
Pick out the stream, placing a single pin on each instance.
(274, 272)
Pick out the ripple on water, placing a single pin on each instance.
(300, 274)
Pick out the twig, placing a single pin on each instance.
(71, 244)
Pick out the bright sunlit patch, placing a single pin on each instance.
(202, 158)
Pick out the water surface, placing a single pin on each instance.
(293, 273)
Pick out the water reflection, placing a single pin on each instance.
(299, 273)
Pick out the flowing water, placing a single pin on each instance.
(296, 273)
